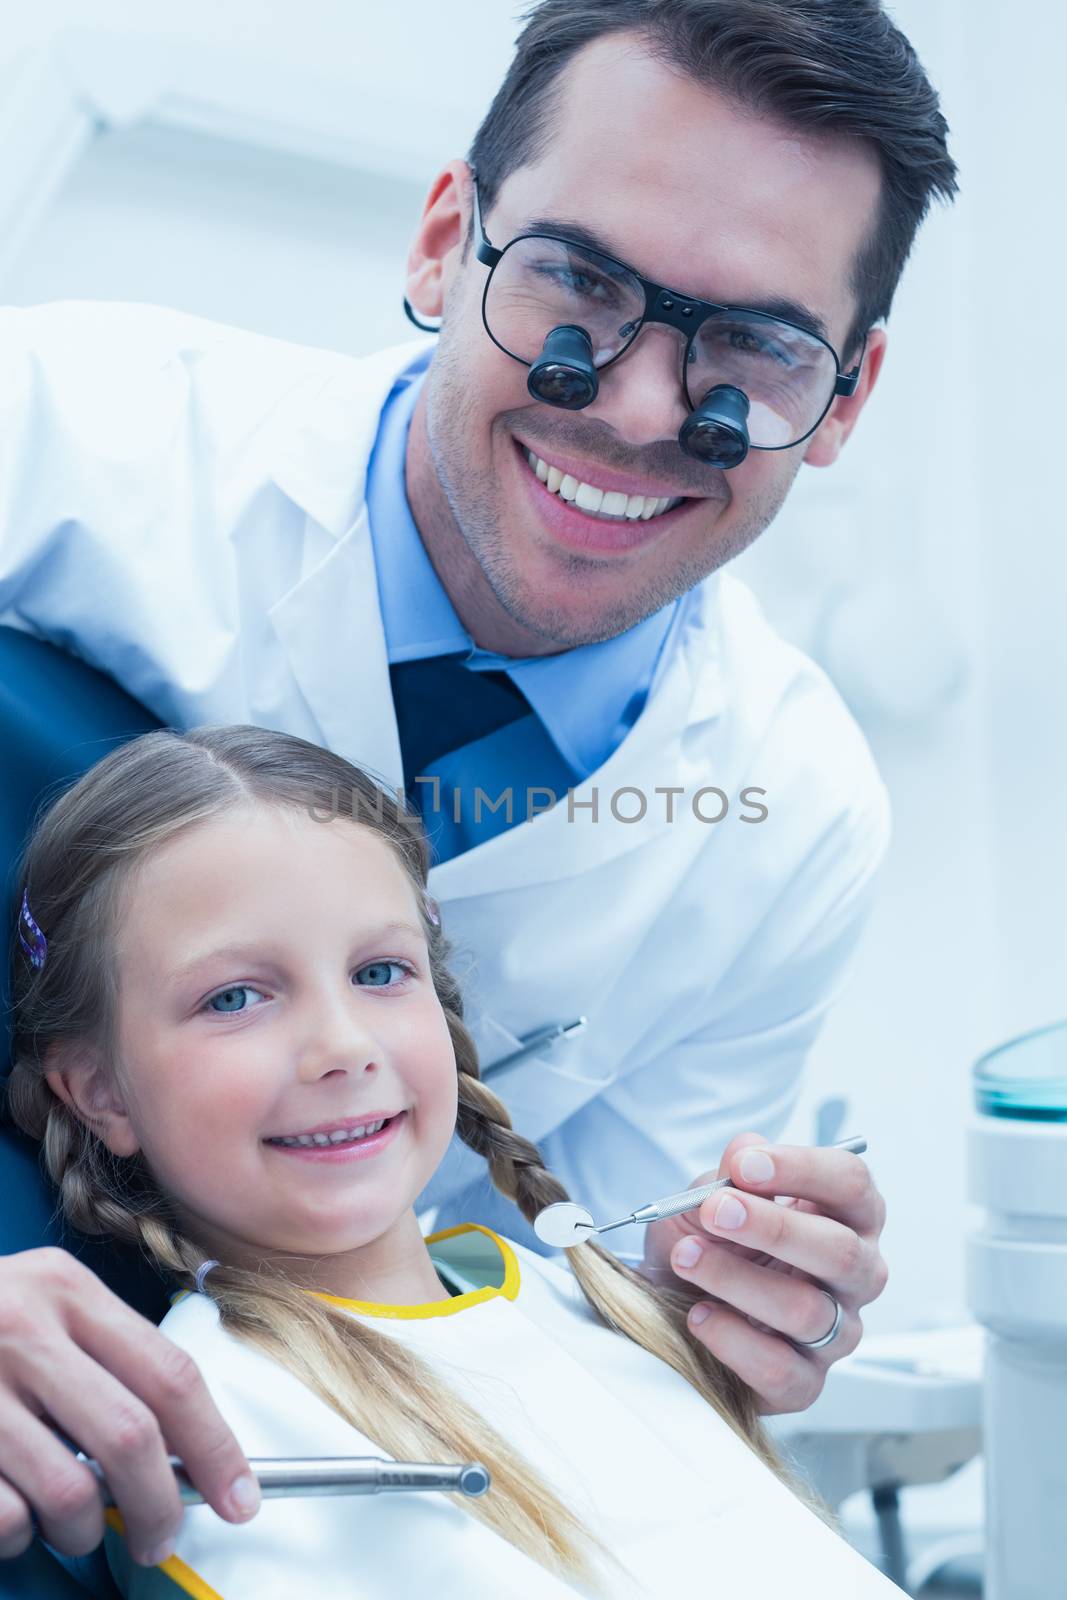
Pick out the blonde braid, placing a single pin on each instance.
(654, 1318)
(516, 1166)
(93, 1186)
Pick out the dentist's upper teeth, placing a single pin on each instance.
(599, 502)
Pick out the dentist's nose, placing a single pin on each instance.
(337, 1039)
(641, 394)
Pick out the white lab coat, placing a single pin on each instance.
(182, 504)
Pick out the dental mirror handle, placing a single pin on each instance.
(656, 1210)
(285, 1477)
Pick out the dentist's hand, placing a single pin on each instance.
(760, 1262)
(71, 1353)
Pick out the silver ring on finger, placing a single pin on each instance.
(817, 1344)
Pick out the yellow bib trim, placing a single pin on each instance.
(508, 1286)
(177, 1570)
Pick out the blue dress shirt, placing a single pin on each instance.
(587, 698)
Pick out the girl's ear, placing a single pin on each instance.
(77, 1076)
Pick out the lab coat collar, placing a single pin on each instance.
(329, 624)
(325, 432)
(330, 628)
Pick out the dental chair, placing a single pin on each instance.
(58, 717)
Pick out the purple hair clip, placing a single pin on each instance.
(36, 945)
(433, 910)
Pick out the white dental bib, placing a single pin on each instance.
(625, 1442)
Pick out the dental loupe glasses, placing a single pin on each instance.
(566, 310)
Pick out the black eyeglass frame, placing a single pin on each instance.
(666, 306)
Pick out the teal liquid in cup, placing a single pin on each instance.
(1026, 1078)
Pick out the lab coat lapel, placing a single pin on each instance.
(329, 624)
(330, 627)
(323, 434)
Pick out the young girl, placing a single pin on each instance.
(237, 1039)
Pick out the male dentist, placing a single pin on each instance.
(490, 569)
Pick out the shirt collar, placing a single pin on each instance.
(418, 617)
(588, 698)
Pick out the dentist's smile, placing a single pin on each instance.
(593, 508)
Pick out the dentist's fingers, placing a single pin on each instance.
(16, 1529)
(133, 1456)
(60, 1490)
(72, 1350)
(785, 1303)
(836, 1181)
(783, 1378)
(826, 1250)
(741, 1141)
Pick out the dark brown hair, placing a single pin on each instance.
(832, 66)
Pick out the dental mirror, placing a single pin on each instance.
(563, 1224)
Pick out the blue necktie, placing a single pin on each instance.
(475, 736)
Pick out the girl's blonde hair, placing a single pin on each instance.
(75, 869)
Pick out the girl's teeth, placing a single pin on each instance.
(338, 1136)
(596, 502)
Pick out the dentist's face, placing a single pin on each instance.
(694, 193)
(275, 983)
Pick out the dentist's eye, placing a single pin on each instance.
(232, 1000)
(375, 975)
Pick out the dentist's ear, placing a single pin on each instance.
(79, 1078)
(828, 440)
(436, 246)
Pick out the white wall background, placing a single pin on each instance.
(928, 570)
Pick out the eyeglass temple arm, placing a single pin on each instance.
(848, 382)
(487, 254)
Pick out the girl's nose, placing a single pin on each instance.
(337, 1039)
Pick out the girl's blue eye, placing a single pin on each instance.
(380, 971)
(227, 995)
(375, 975)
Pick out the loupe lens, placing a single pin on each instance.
(563, 374)
(716, 432)
(561, 386)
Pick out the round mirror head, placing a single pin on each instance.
(563, 1224)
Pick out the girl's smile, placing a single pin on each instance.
(341, 1141)
(286, 1068)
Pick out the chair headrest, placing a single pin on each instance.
(58, 717)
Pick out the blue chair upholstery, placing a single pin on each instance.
(58, 717)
